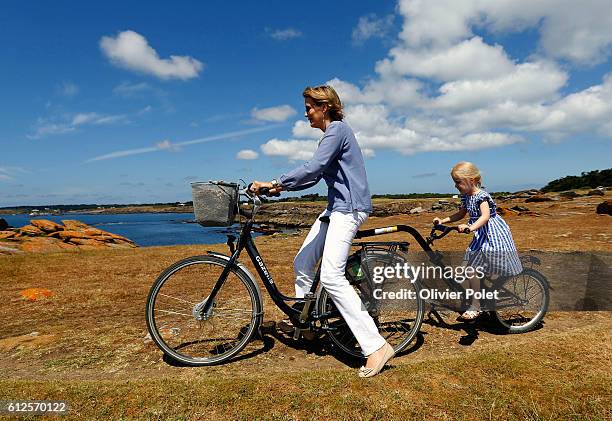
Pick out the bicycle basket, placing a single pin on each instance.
(215, 203)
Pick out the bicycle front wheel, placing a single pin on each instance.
(179, 326)
(522, 301)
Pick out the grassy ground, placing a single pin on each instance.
(88, 345)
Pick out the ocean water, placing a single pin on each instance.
(145, 229)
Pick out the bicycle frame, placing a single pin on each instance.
(434, 256)
(245, 241)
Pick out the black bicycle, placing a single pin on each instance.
(204, 310)
(518, 303)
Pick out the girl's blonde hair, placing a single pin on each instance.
(325, 94)
(467, 170)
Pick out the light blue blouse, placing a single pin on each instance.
(339, 161)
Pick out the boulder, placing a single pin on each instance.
(506, 211)
(569, 194)
(7, 234)
(46, 225)
(417, 210)
(3, 224)
(88, 242)
(596, 192)
(74, 225)
(30, 230)
(68, 234)
(519, 208)
(605, 207)
(538, 198)
(44, 245)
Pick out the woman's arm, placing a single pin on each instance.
(308, 174)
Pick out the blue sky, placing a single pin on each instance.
(120, 102)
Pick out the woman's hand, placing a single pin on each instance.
(256, 186)
(437, 221)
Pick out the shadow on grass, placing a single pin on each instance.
(268, 344)
(485, 323)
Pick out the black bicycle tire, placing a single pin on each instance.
(173, 354)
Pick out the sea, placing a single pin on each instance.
(145, 229)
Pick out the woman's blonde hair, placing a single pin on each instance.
(466, 170)
(325, 94)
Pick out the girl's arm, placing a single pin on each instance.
(457, 216)
(485, 214)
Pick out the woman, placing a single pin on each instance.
(338, 160)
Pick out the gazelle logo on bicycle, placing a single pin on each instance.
(263, 268)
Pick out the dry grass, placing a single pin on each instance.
(91, 347)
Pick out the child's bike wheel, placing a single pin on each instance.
(179, 326)
(522, 301)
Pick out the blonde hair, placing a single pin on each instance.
(325, 94)
(467, 170)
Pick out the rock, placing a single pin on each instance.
(436, 206)
(7, 234)
(417, 210)
(605, 207)
(3, 224)
(596, 192)
(44, 245)
(538, 198)
(35, 294)
(569, 194)
(74, 225)
(68, 234)
(529, 213)
(506, 211)
(46, 225)
(88, 242)
(30, 230)
(519, 208)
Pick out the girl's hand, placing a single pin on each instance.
(462, 227)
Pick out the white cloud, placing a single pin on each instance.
(165, 145)
(444, 88)
(247, 154)
(9, 173)
(68, 89)
(294, 150)
(283, 34)
(372, 26)
(303, 130)
(274, 114)
(66, 123)
(131, 50)
(131, 89)
(579, 32)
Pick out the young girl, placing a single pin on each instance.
(492, 247)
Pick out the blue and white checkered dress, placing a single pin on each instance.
(492, 247)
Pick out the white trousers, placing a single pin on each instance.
(332, 242)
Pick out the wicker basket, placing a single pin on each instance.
(215, 203)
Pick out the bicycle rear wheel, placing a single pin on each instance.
(522, 301)
(398, 320)
(180, 328)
